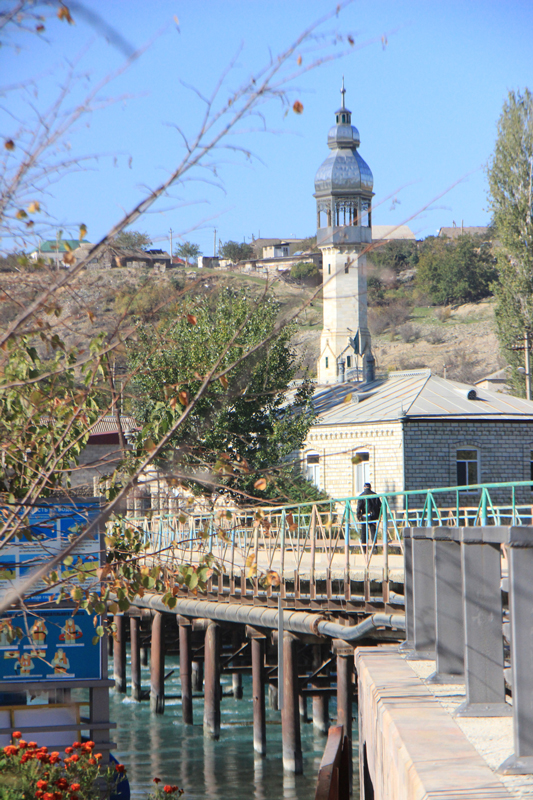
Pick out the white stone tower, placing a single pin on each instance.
(343, 191)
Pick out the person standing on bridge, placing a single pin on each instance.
(368, 510)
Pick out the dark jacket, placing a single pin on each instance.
(374, 506)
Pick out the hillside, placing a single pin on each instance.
(461, 339)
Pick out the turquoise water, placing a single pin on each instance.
(161, 746)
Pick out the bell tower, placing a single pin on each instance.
(343, 191)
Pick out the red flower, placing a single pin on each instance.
(16, 735)
(54, 759)
(69, 750)
(74, 758)
(57, 795)
(74, 797)
(23, 744)
(92, 761)
(10, 750)
(42, 784)
(120, 768)
(98, 756)
(32, 745)
(62, 783)
(170, 789)
(48, 796)
(39, 793)
(89, 744)
(76, 745)
(75, 787)
(156, 780)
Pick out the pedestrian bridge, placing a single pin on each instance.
(311, 554)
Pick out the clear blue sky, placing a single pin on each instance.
(426, 105)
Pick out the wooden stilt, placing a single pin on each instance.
(302, 706)
(290, 717)
(144, 656)
(258, 691)
(157, 665)
(119, 654)
(236, 682)
(212, 681)
(344, 697)
(135, 658)
(273, 696)
(185, 670)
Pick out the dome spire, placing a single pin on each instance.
(343, 92)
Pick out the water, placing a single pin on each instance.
(162, 746)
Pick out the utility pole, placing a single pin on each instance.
(171, 245)
(215, 243)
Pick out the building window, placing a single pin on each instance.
(361, 462)
(312, 469)
(531, 468)
(329, 269)
(327, 362)
(344, 117)
(347, 267)
(467, 468)
(348, 361)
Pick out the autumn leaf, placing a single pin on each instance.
(183, 397)
(191, 319)
(21, 214)
(260, 484)
(299, 60)
(39, 28)
(272, 578)
(9, 144)
(224, 381)
(297, 107)
(63, 13)
(83, 231)
(351, 40)
(348, 398)
(34, 207)
(69, 258)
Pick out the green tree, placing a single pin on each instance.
(397, 254)
(456, 271)
(188, 251)
(304, 270)
(510, 174)
(235, 252)
(132, 240)
(242, 431)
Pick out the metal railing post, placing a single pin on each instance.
(483, 619)
(520, 553)
(409, 642)
(449, 619)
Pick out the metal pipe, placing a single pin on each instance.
(157, 665)
(290, 714)
(258, 692)
(185, 671)
(212, 682)
(119, 654)
(135, 658)
(293, 621)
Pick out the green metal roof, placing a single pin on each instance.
(52, 246)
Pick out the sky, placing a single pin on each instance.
(425, 81)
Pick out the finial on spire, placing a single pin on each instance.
(343, 92)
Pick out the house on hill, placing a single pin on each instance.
(52, 252)
(414, 430)
(470, 230)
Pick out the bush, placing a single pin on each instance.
(391, 316)
(434, 337)
(443, 314)
(408, 332)
(397, 254)
(304, 270)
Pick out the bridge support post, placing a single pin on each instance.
(157, 665)
(185, 669)
(423, 595)
(345, 664)
(320, 702)
(144, 656)
(290, 717)
(409, 642)
(135, 646)
(485, 687)
(236, 682)
(258, 692)
(302, 707)
(520, 553)
(449, 614)
(119, 654)
(197, 674)
(273, 696)
(212, 681)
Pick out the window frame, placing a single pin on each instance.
(313, 469)
(467, 461)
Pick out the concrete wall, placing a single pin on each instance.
(504, 449)
(410, 747)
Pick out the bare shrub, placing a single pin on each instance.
(464, 367)
(443, 314)
(377, 322)
(407, 363)
(434, 337)
(389, 316)
(409, 332)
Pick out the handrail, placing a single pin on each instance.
(333, 782)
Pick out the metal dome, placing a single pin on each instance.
(343, 171)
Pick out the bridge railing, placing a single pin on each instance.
(325, 541)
